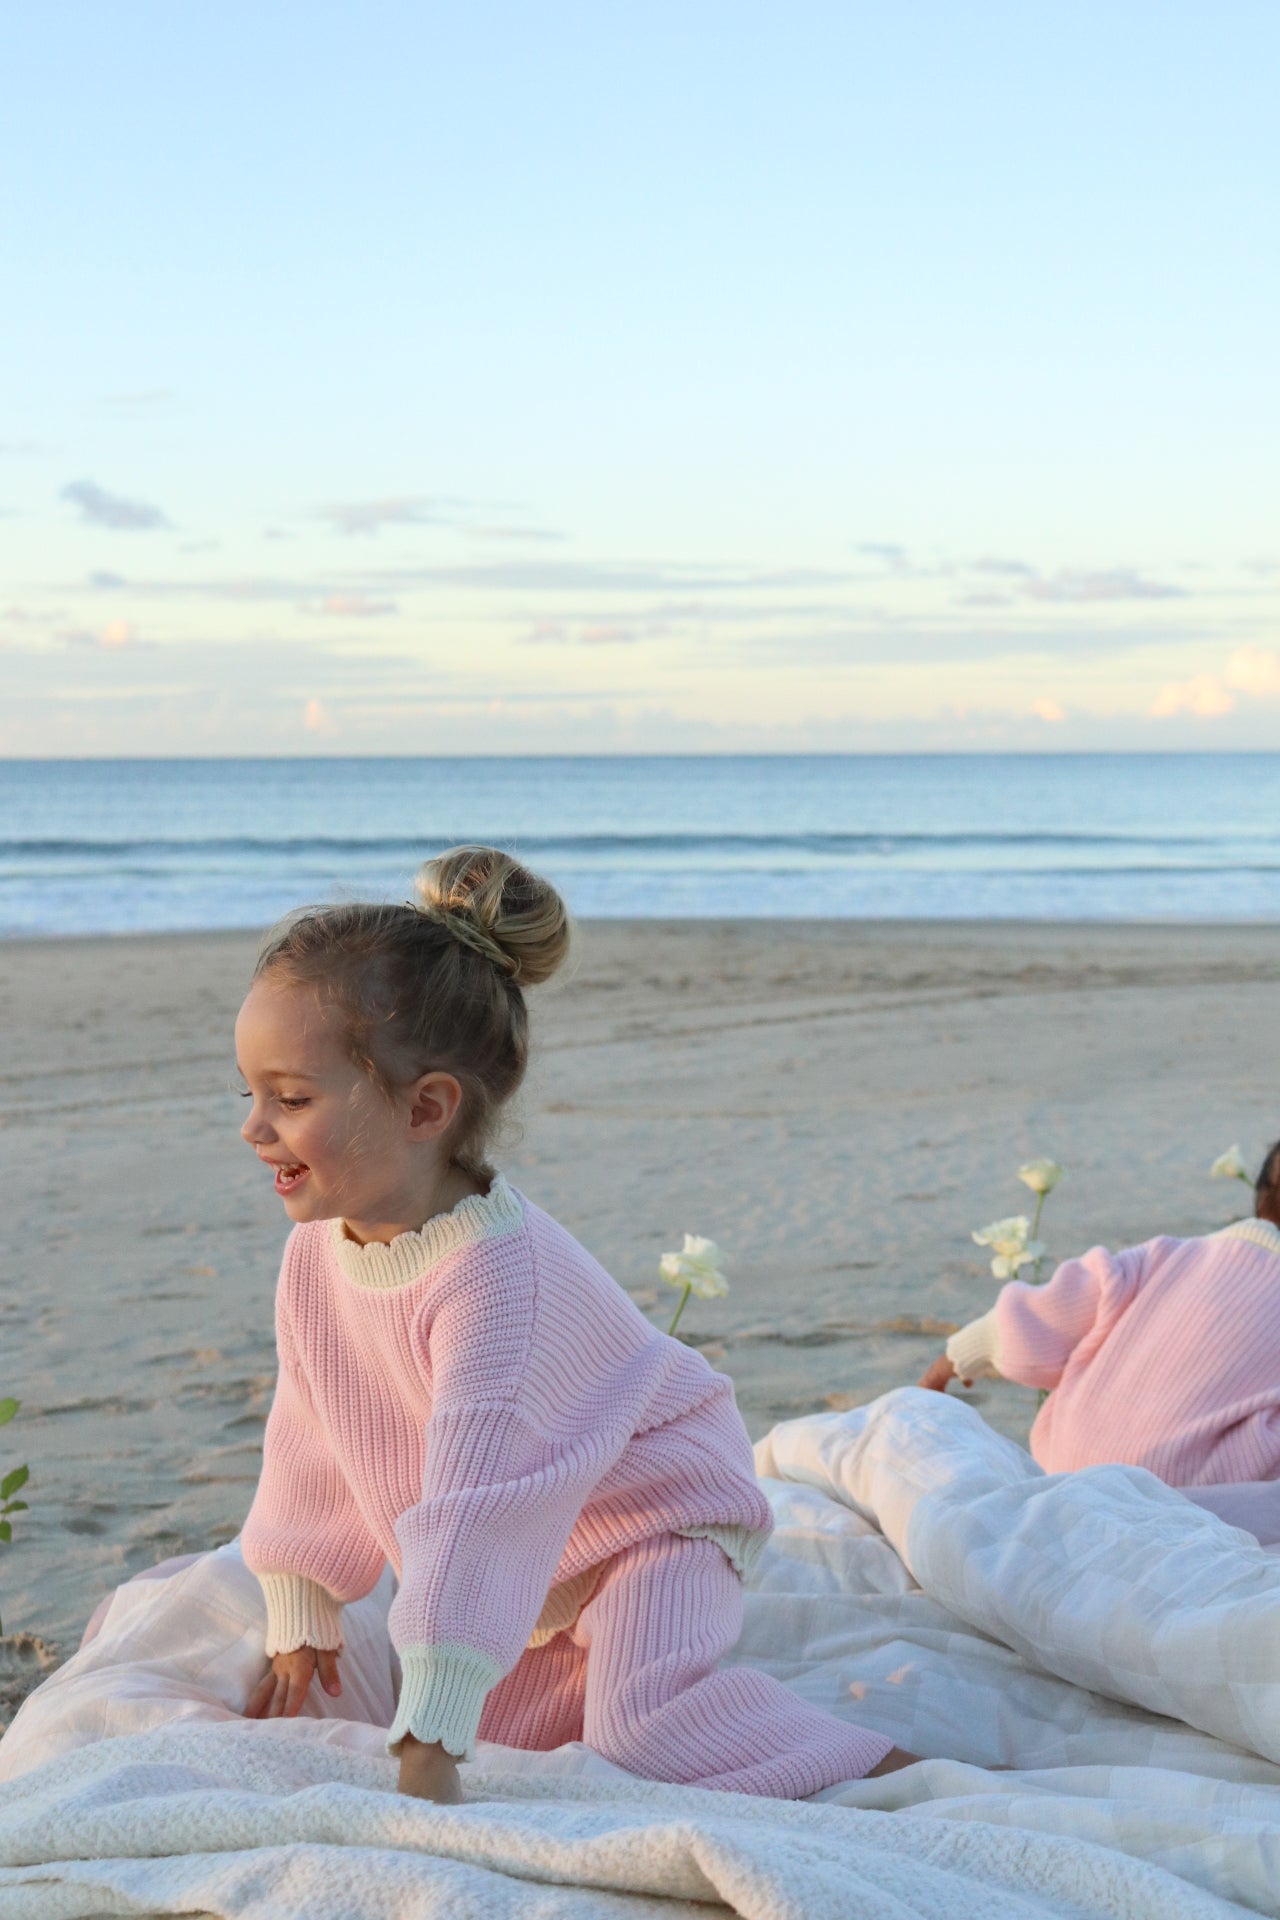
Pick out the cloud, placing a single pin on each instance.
(608, 636)
(1122, 583)
(102, 509)
(538, 534)
(1255, 672)
(316, 718)
(109, 639)
(984, 600)
(1251, 672)
(992, 563)
(1204, 695)
(370, 516)
(1049, 710)
(352, 606)
(108, 582)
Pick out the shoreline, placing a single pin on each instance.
(838, 1103)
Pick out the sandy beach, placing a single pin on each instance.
(837, 1103)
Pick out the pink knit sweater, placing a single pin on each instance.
(480, 1404)
(1166, 1356)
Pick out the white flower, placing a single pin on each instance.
(1230, 1166)
(1042, 1176)
(1009, 1245)
(696, 1266)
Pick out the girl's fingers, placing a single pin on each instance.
(278, 1699)
(260, 1698)
(327, 1668)
(296, 1691)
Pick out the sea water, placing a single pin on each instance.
(145, 845)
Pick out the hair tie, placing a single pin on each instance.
(468, 932)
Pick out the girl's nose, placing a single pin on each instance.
(255, 1131)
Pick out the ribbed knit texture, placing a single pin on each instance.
(1165, 1356)
(444, 1688)
(299, 1614)
(481, 1405)
(636, 1678)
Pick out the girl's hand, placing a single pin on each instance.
(939, 1376)
(427, 1772)
(282, 1690)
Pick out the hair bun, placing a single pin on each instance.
(495, 906)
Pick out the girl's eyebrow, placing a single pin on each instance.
(279, 1073)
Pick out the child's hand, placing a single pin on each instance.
(427, 1772)
(282, 1690)
(938, 1376)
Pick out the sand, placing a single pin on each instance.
(837, 1103)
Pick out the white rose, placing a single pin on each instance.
(1042, 1176)
(1230, 1166)
(1010, 1245)
(696, 1266)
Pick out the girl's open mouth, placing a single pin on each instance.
(288, 1178)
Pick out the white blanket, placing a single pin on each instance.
(925, 1577)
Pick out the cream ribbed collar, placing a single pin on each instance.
(382, 1264)
(1260, 1232)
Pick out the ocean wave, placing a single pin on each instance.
(622, 844)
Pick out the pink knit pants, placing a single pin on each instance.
(636, 1678)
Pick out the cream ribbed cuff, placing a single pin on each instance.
(300, 1613)
(974, 1352)
(442, 1695)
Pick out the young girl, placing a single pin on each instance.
(1166, 1356)
(565, 1494)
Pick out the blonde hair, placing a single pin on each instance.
(437, 985)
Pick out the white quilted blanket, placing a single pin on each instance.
(1116, 1646)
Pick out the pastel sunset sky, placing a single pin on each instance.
(678, 377)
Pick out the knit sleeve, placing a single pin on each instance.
(1037, 1329)
(500, 1497)
(304, 1538)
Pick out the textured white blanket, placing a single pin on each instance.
(925, 1576)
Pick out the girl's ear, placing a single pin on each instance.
(433, 1105)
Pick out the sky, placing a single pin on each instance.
(400, 378)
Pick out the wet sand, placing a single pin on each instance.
(837, 1103)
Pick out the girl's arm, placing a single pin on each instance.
(479, 1553)
(1031, 1332)
(505, 1479)
(304, 1537)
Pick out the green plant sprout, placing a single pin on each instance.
(13, 1482)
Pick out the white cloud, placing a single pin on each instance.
(370, 516)
(1252, 673)
(1049, 710)
(1255, 672)
(353, 606)
(317, 719)
(1205, 695)
(1121, 583)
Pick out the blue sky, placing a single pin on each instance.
(394, 378)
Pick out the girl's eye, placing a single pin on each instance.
(291, 1106)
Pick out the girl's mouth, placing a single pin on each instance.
(288, 1179)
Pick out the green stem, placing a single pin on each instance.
(1035, 1228)
(684, 1301)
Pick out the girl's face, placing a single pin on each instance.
(339, 1147)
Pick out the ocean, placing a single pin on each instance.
(89, 847)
